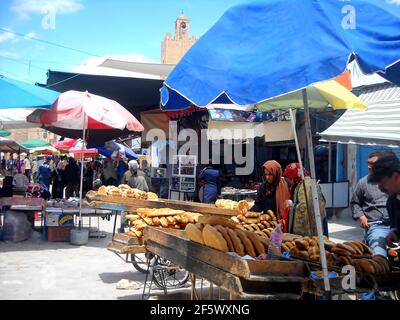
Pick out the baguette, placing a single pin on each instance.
(213, 220)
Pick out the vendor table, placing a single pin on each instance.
(27, 205)
(87, 212)
(237, 196)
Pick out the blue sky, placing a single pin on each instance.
(133, 28)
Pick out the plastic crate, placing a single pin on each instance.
(61, 234)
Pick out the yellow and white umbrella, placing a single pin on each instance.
(319, 95)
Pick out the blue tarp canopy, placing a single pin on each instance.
(264, 49)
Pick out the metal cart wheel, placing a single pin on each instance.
(169, 276)
(140, 261)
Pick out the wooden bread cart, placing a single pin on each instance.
(285, 279)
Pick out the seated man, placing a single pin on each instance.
(368, 205)
(386, 173)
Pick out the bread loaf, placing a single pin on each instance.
(347, 247)
(212, 238)
(249, 248)
(258, 246)
(383, 262)
(301, 244)
(226, 236)
(340, 251)
(252, 214)
(213, 220)
(194, 233)
(237, 243)
(271, 214)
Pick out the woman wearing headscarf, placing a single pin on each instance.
(58, 179)
(300, 220)
(273, 193)
(135, 180)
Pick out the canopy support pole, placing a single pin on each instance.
(314, 191)
(292, 120)
(82, 165)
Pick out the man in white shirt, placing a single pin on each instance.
(27, 167)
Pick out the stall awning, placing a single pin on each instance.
(273, 131)
(158, 69)
(379, 124)
(154, 119)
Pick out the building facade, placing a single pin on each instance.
(20, 135)
(174, 47)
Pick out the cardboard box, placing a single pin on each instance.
(56, 218)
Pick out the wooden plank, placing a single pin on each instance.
(277, 267)
(217, 276)
(240, 267)
(188, 248)
(130, 204)
(126, 239)
(122, 248)
(237, 286)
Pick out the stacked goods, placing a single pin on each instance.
(222, 234)
(125, 191)
(163, 217)
(241, 206)
(256, 222)
(353, 253)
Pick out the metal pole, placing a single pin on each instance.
(82, 158)
(314, 191)
(329, 162)
(292, 120)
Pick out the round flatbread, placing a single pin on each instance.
(194, 233)
(248, 245)
(237, 243)
(214, 239)
(226, 236)
(258, 246)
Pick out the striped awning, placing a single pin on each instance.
(379, 124)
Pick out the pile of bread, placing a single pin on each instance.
(222, 234)
(240, 206)
(256, 222)
(353, 253)
(228, 236)
(125, 191)
(163, 217)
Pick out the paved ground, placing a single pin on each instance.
(36, 269)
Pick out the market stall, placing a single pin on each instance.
(158, 228)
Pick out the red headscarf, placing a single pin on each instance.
(293, 172)
(282, 190)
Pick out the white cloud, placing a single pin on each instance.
(9, 54)
(397, 2)
(24, 8)
(6, 36)
(30, 35)
(91, 66)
